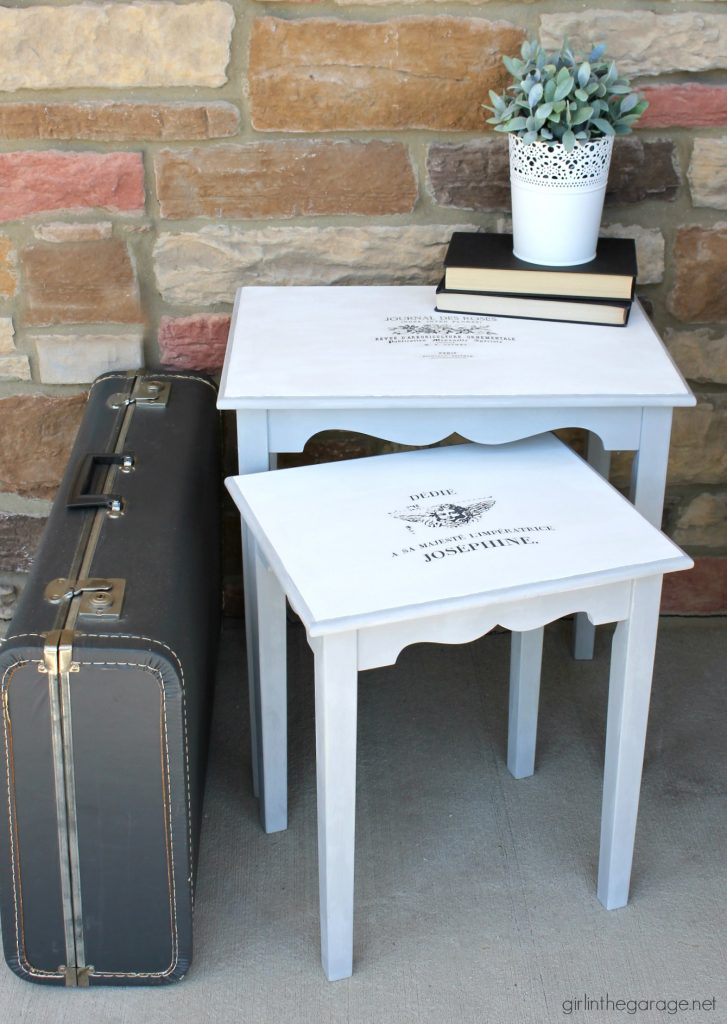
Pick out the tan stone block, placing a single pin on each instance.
(115, 45)
(698, 450)
(73, 231)
(708, 173)
(7, 334)
(324, 74)
(700, 354)
(649, 249)
(206, 267)
(382, 3)
(38, 433)
(79, 359)
(702, 521)
(8, 268)
(700, 270)
(80, 282)
(112, 122)
(286, 179)
(14, 367)
(643, 42)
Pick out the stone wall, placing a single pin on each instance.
(156, 155)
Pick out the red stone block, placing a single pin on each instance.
(698, 591)
(684, 106)
(36, 182)
(193, 342)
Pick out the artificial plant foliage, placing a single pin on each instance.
(558, 97)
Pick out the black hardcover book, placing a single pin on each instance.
(485, 262)
(606, 312)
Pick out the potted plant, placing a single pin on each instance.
(561, 114)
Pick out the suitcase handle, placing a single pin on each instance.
(81, 497)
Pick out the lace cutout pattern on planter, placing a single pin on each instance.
(545, 163)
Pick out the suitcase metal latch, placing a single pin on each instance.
(100, 598)
(147, 391)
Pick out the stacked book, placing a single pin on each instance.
(482, 275)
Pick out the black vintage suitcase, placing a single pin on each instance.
(106, 682)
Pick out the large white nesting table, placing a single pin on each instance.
(379, 360)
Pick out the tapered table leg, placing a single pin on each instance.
(252, 457)
(632, 665)
(585, 632)
(336, 688)
(526, 653)
(272, 703)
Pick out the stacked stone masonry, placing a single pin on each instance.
(155, 155)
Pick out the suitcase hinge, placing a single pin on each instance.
(147, 391)
(76, 977)
(99, 598)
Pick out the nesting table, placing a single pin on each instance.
(439, 546)
(379, 360)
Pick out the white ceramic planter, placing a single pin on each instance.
(557, 199)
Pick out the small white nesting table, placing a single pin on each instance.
(440, 546)
(379, 360)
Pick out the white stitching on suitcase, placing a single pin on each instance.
(22, 963)
(27, 968)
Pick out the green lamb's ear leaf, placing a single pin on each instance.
(535, 95)
(581, 115)
(629, 102)
(517, 124)
(529, 137)
(564, 86)
(569, 140)
(514, 66)
(562, 75)
(584, 73)
(544, 110)
(549, 90)
(605, 126)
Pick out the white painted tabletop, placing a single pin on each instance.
(371, 346)
(371, 540)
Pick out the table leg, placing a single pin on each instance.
(336, 689)
(252, 457)
(632, 665)
(648, 473)
(273, 700)
(585, 631)
(526, 655)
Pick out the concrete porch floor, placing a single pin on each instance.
(475, 893)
